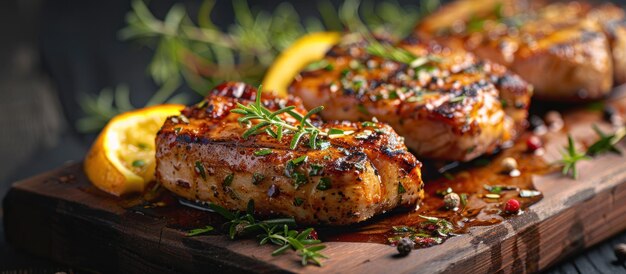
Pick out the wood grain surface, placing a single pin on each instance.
(58, 215)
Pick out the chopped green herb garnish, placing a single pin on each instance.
(198, 231)
(369, 124)
(401, 188)
(458, 99)
(334, 132)
(228, 180)
(262, 152)
(139, 163)
(300, 160)
(299, 179)
(257, 178)
(200, 169)
(315, 170)
(177, 129)
(298, 201)
(362, 109)
(324, 184)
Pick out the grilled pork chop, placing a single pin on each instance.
(453, 108)
(202, 156)
(567, 51)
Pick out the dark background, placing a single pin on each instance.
(52, 51)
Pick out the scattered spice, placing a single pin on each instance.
(405, 245)
(538, 125)
(554, 120)
(508, 164)
(492, 196)
(451, 201)
(273, 191)
(512, 206)
(533, 143)
(525, 193)
(620, 252)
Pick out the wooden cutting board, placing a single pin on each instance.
(59, 215)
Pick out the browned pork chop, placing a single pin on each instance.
(454, 107)
(567, 51)
(349, 178)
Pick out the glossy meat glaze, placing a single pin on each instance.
(455, 107)
(202, 156)
(568, 51)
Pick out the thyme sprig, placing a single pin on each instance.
(571, 157)
(271, 123)
(274, 231)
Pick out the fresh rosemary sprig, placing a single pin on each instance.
(570, 157)
(275, 231)
(271, 123)
(607, 142)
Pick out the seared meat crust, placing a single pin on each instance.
(202, 156)
(567, 51)
(457, 108)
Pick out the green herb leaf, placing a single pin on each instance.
(198, 231)
(607, 142)
(401, 188)
(571, 157)
(298, 201)
(199, 168)
(324, 184)
(228, 180)
(262, 152)
(257, 178)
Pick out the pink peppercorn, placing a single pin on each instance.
(512, 206)
(533, 143)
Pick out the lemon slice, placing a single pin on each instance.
(122, 159)
(295, 58)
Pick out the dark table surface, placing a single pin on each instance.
(55, 50)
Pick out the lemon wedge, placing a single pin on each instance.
(295, 58)
(122, 159)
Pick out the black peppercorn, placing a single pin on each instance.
(620, 252)
(405, 245)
